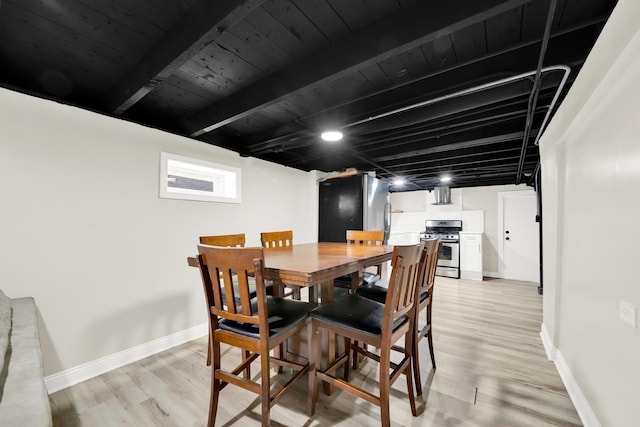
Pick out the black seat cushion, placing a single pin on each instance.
(340, 292)
(367, 278)
(377, 291)
(357, 313)
(283, 314)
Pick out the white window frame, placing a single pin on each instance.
(226, 180)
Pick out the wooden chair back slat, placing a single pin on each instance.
(220, 267)
(372, 237)
(228, 276)
(432, 267)
(401, 293)
(276, 239)
(237, 240)
(428, 264)
(364, 237)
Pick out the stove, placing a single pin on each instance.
(449, 233)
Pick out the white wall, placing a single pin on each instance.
(84, 232)
(591, 178)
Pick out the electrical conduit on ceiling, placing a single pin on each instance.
(533, 98)
(475, 89)
(564, 68)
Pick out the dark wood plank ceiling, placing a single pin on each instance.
(412, 84)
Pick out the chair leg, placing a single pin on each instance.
(430, 341)
(385, 387)
(430, 338)
(247, 372)
(209, 351)
(265, 388)
(412, 398)
(408, 345)
(356, 356)
(314, 359)
(415, 357)
(278, 353)
(347, 364)
(215, 384)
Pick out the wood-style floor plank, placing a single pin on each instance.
(492, 371)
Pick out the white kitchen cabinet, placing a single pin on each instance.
(471, 256)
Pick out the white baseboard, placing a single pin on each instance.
(493, 274)
(585, 412)
(549, 348)
(75, 375)
(587, 416)
(471, 275)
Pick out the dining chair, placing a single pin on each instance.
(360, 237)
(276, 239)
(378, 292)
(230, 240)
(361, 319)
(424, 303)
(280, 239)
(257, 325)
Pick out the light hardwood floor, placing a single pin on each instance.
(492, 371)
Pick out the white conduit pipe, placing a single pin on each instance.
(480, 88)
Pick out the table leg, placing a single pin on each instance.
(356, 279)
(278, 288)
(326, 295)
(313, 294)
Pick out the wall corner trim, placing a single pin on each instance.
(77, 374)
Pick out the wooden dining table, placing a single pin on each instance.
(315, 266)
(311, 264)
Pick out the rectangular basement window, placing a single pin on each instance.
(193, 179)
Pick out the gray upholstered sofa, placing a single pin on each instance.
(24, 401)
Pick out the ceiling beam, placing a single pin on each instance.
(461, 159)
(482, 154)
(204, 23)
(496, 139)
(395, 33)
(466, 169)
(447, 131)
(367, 147)
(514, 59)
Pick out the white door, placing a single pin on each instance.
(520, 244)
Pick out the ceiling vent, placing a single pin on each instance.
(442, 195)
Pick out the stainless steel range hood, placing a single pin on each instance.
(442, 195)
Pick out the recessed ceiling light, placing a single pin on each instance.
(331, 135)
(445, 178)
(399, 181)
